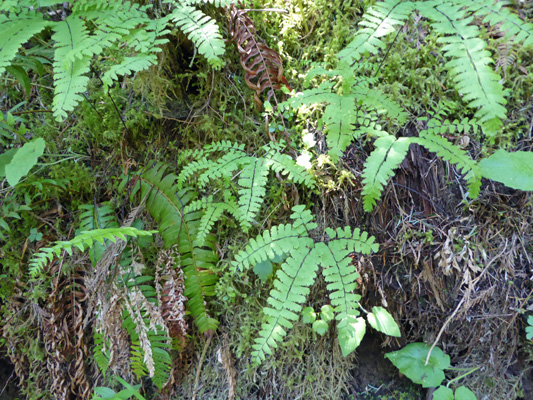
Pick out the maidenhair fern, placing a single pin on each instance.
(94, 26)
(347, 107)
(302, 258)
(356, 107)
(379, 166)
(469, 62)
(252, 173)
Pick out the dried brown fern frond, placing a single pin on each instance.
(170, 287)
(262, 65)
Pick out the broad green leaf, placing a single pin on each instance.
(512, 169)
(308, 315)
(263, 269)
(24, 160)
(463, 393)
(351, 333)
(411, 361)
(382, 321)
(320, 326)
(443, 393)
(326, 313)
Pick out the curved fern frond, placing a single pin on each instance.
(15, 30)
(341, 278)
(102, 353)
(166, 201)
(69, 76)
(303, 256)
(97, 218)
(278, 241)
(291, 287)
(495, 14)
(470, 63)
(212, 213)
(83, 241)
(252, 181)
(430, 139)
(128, 66)
(379, 167)
(284, 164)
(379, 21)
(202, 30)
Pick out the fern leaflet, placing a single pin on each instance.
(69, 78)
(379, 166)
(202, 30)
(470, 63)
(379, 21)
(494, 13)
(15, 30)
(430, 139)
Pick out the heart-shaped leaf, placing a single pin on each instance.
(411, 361)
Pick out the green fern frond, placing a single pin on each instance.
(102, 354)
(379, 21)
(159, 343)
(291, 287)
(212, 213)
(202, 30)
(302, 258)
(341, 278)
(128, 66)
(166, 201)
(69, 76)
(252, 181)
(97, 218)
(470, 63)
(284, 164)
(278, 241)
(495, 14)
(379, 167)
(83, 241)
(15, 30)
(430, 139)
(224, 167)
(379, 102)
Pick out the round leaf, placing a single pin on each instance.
(351, 332)
(326, 313)
(443, 393)
(411, 361)
(263, 269)
(308, 315)
(320, 327)
(463, 393)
